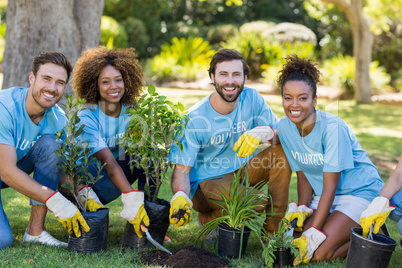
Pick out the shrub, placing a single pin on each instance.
(340, 72)
(184, 59)
(256, 50)
(387, 50)
(2, 40)
(258, 26)
(221, 33)
(290, 32)
(138, 37)
(261, 52)
(113, 33)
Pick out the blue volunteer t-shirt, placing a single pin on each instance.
(210, 136)
(330, 147)
(17, 128)
(102, 131)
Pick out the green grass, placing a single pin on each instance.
(378, 127)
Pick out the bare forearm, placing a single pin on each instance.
(324, 206)
(118, 177)
(304, 189)
(331, 181)
(394, 183)
(181, 179)
(24, 184)
(113, 170)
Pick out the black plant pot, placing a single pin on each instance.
(283, 257)
(96, 239)
(367, 253)
(158, 214)
(229, 242)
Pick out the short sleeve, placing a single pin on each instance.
(92, 133)
(266, 115)
(191, 147)
(6, 127)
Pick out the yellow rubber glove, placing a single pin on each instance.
(134, 211)
(66, 213)
(308, 244)
(375, 214)
(89, 199)
(251, 139)
(180, 209)
(301, 213)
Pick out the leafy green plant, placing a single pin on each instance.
(340, 72)
(238, 208)
(152, 130)
(113, 33)
(219, 33)
(138, 37)
(183, 59)
(277, 240)
(74, 154)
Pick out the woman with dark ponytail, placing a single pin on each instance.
(335, 178)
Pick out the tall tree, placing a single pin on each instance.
(67, 26)
(366, 18)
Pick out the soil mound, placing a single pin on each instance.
(188, 256)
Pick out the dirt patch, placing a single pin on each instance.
(180, 214)
(188, 256)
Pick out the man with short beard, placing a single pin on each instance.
(29, 121)
(223, 132)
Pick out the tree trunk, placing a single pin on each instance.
(362, 46)
(67, 26)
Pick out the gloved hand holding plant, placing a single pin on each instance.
(67, 214)
(301, 213)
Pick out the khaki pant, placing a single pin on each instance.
(270, 165)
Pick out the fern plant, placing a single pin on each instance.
(75, 154)
(277, 240)
(183, 59)
(238, 208)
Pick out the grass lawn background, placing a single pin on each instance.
(378, 128)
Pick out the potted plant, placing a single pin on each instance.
(278, 251)
(74, 156)
(155, 124)
(238, 217)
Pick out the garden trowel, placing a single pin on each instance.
(150, 239)
(292, 228)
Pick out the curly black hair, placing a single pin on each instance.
(91, 62)
(299, 69)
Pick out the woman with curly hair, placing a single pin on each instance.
(110, 80)
(335, 178)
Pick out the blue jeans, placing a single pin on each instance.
(106, 190)
(396, 214)
(42, 161)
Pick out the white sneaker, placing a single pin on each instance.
(44, 238)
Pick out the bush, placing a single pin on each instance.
(138, 37)
(340, 72)
(184, 59)
(260, 52)
(113, 33)
(290, 32)
(2, 40)
(221, 33)
(258, 26)
(256, 50)
(387, 50)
